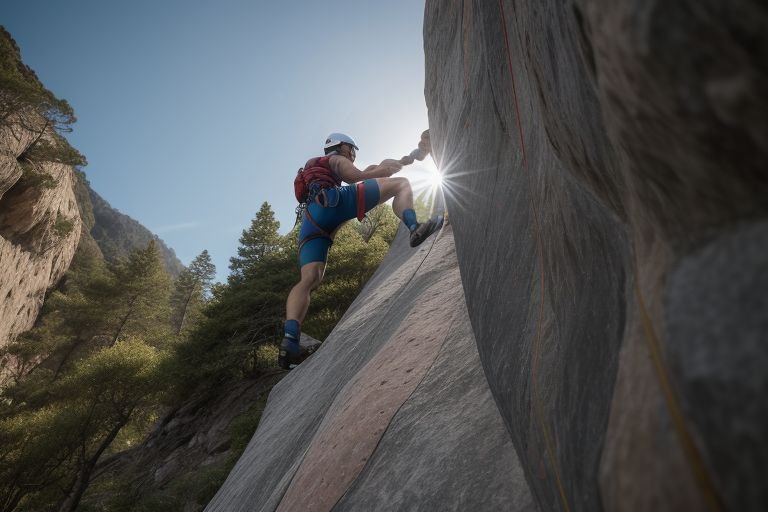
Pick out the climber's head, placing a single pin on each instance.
(340, 144)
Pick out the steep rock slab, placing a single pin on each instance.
(614, 154)
(442, 448)
(332, 426)
(365, 407)
(542, 259)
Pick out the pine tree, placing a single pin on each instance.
(191, 292)
(92, 369)
(72, 317)
(256, 242)
(51, 449)
(25, 103)
(140, 303)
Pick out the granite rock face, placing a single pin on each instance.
(39, 231)
(393, 412)
(605, 172)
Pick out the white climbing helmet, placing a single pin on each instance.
(335, 139)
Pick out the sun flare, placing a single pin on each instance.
(435, 178)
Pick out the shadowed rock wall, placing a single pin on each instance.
(606, 179)
(393, 411)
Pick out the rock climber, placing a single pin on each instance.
(327, 205)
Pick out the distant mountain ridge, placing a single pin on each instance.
(116, 233)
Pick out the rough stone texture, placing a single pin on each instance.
(542, 261)
(717, 325)
(33, 257)
(392, 413)
(603, 160)
(409, 469)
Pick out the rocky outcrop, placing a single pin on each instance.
(39, 231)
(605, 169)
(393, 412)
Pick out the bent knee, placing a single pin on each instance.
(315, 282)
(312, 279)
(401, 183)
(391, 186)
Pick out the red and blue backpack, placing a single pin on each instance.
(313, 177)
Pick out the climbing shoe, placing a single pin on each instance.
(292, 354)
(423, 231)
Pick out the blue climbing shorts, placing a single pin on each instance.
(341, 207)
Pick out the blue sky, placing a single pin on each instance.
(193, 113)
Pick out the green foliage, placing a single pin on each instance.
(116, 493)
(52, 147)
(256, 242)
(63, 225)
(72, 321)
(116, 341)
(89, 369)
(246, 315)
(423, 204)
(244, 426)
(195, 486)
(26, 103)
(241, 316)
(192, 290)
(53, 445)
(118, 235)
(140, 302)
(34, 177)
(381, 221)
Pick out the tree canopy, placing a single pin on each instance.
(25, 103)
(118, 342)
